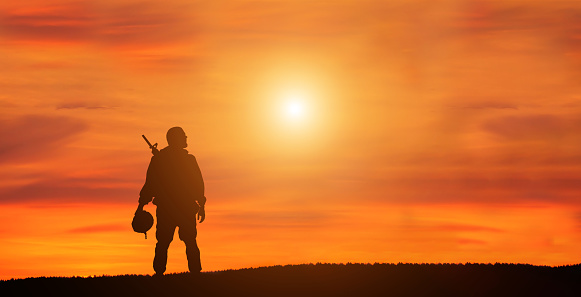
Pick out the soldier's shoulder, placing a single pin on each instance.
(191, 159)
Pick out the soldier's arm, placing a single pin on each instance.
(199, 188)
(148, 190)
(198, 183)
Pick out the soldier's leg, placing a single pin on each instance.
(187, 233)
(165, 230)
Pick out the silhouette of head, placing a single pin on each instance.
(176, 137)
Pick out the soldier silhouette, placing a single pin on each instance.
(175, 180)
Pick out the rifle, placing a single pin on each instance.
(153, 148)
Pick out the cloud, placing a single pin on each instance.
(487, 105)
(276, 219)
(491, 187)
(143, 23)
(466, 228)
(471, 241)
(309, 20)
(147, 23)
(103, 228)
(54, 22)
(81, 105)
(33, 136)
(73, 190)
(541, 126)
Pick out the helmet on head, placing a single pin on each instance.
(142, 222)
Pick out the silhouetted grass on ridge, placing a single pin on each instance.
(351, 279)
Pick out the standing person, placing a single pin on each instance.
(175, 180)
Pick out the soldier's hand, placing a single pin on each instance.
(202, 214)
(140, 208)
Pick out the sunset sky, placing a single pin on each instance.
(326, 131)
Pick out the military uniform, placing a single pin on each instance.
(175, 180)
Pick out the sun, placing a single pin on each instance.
(294, 108)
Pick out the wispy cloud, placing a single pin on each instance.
(143, 23)
(73, 190)
(82, 105)
(103, 228)
(486, 105)
(31, 137)
(540, 126)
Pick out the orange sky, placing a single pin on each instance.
(428, 131)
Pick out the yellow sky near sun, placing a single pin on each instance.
(432, 131)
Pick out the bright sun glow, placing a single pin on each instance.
(294, 108)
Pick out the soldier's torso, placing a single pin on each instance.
(176, 175)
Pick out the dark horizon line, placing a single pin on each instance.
(577, 265)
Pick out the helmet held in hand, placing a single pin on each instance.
(142, 222)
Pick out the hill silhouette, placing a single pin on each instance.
(322, 280)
